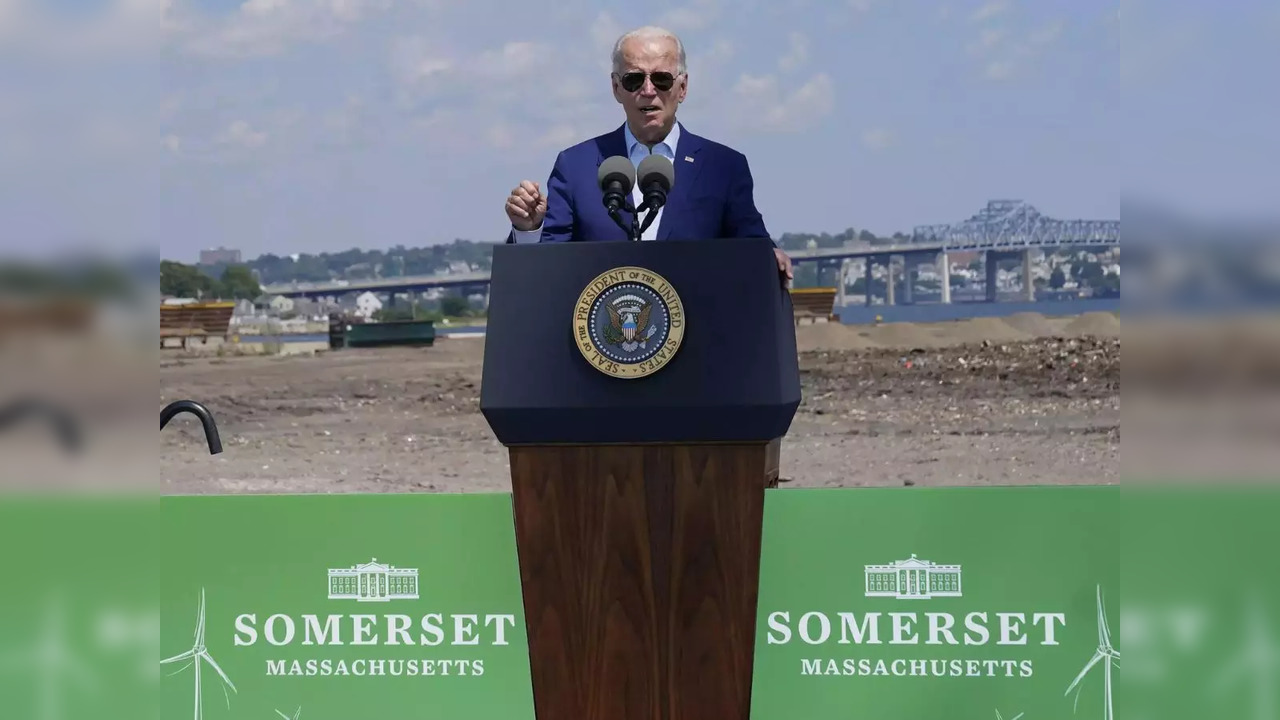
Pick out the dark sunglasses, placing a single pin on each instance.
(633, 81)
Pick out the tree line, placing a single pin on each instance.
(234, 282)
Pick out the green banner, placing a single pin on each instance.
(938, 603)
(895, 604)
(79, 624)
(342, 606)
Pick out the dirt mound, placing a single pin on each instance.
(1100, 324)
(905, 336)
(1033, 324)
(975, 330)
(834, 337)
(827, 337)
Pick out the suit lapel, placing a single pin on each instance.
(687, 165)
(609, 145)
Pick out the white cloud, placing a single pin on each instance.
(704, 63)
(270, 27)
(605, 31)
(987, 40)
(414, 61)
(116, 28)
(513, 62)
(1013, 55)
(762, 106)
(695, 16)
(558, 136)
(241, 134)
(797, 53)
(991, 9)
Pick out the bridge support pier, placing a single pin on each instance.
(1028, 282)
(870, 262)
(841, 279)
(991, 264)
(944, 269)
(888, 280)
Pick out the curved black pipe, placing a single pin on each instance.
(64, 425)
(201, 412)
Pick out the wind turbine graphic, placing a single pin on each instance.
(296, 714)
(1104, 654)
(197, 654)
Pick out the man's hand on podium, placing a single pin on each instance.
(784, 265)
(526, 206)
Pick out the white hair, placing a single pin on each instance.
(649, 32)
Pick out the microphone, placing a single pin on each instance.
(616, 177)
(657, 175)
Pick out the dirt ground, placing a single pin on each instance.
(1017, 400)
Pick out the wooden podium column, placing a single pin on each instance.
(640, 568)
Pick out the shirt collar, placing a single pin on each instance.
(671, 141)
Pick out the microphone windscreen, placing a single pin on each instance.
(616, 168)
(657, 168)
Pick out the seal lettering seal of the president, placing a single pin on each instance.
(628, 322)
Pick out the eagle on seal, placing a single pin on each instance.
(630, 324)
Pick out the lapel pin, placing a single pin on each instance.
(688, 158)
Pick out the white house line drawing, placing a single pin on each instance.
(373, 582)
(1258, 663)
(296, 714)
(912, 579)
(197, 654)
(1105, 654)
(52, 661)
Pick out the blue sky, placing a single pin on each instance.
(309, 125)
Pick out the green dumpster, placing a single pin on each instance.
(399, 332)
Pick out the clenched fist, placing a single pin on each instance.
(526, 206)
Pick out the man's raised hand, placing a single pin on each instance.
(526, 206)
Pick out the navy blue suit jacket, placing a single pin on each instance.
(712, 197)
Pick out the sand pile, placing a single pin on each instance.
(975, 330)
(906, 336)
(1101, 324)
(831, 336)
(1032, 324)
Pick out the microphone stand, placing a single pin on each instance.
(648, 218)
(633, 228)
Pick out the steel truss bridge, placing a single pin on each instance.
(1014, 224)
(1002, 226)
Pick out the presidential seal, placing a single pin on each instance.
(628, 322)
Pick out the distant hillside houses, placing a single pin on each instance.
(364, 305)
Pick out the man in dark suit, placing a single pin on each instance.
(713, 192)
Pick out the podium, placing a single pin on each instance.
(642, 390)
